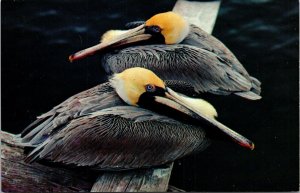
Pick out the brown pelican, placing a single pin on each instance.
(132, 121)
(185, 53)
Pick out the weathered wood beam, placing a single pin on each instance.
(202, 14)
(145, 180)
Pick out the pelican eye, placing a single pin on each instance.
(150, 88)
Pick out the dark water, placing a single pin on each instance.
(38, 36)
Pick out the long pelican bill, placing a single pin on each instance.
(133, 35)
(181, 103)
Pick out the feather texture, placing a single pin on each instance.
(200, 60)
(204, 70)
(95, 128)
(98, 97)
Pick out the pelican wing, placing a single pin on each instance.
(121, 137)
(203, 69)
(91, 100)
(199, 38)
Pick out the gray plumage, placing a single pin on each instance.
(98, 97)
(200, 60)
(96, 128)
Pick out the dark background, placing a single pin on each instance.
(38, 36)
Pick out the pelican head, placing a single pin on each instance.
(134, 82)
(171, 26)
(141, 87)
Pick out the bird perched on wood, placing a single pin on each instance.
(132, 121)
(176, 50)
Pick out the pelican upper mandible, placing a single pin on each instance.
(132, 121)
(176, 50)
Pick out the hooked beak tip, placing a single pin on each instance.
(252, 146)
(249, 145)
(71, 58)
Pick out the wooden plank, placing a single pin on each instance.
(202, 14)
(143, 180)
